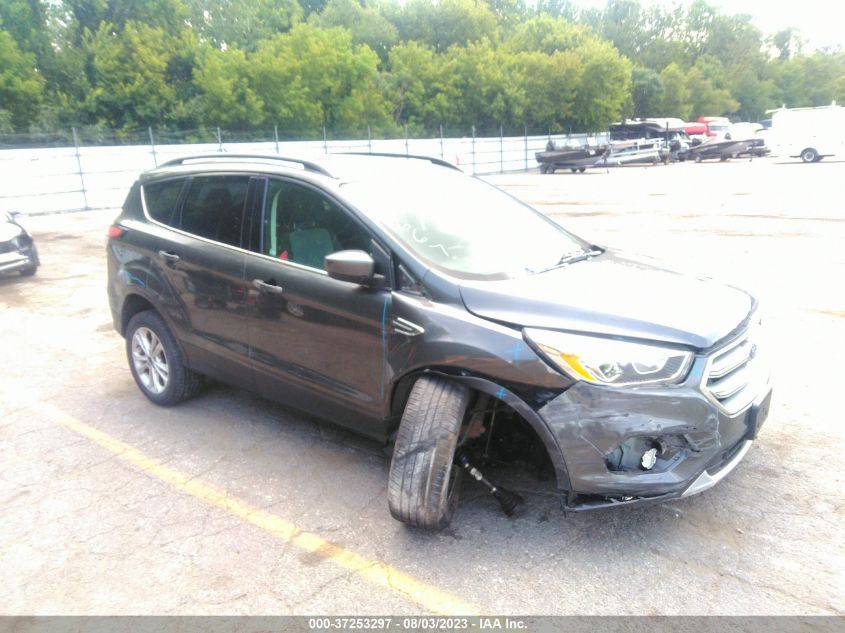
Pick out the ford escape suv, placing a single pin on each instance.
(409, 302)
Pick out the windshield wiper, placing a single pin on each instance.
(571, 258)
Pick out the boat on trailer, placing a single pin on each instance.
(572, 158)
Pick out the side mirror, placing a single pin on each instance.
(356, 267)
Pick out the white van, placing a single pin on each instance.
(808, 133)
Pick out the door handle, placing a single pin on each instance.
(169, 256)
(267, 286)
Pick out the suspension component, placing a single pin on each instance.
(509, 501)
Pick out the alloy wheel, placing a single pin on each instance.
(150, 360)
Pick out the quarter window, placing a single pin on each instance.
(214, 208)
(303, 226)
(161, 198)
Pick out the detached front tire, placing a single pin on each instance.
(423, 485)
(157, 363)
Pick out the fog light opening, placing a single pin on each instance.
(635, 454)
(649, 459)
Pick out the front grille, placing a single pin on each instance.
(734, 373)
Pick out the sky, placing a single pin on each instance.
(821, 22)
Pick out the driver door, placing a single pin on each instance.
(316, 343)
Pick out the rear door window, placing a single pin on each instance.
(161, 199)
(214, 208)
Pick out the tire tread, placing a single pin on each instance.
(417, 489)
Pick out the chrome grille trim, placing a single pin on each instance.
(735, 374)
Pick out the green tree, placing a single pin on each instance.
(676, 96)
(549, 85)
(132, 75)
(26, 22)
(446, 23)
(708, 88)
(21, 87)
(364, 21)
(312, 76)
(809, 80)
(753, 94)
(606, 89)
(547, 34)
(224, 96)
(488, 92)
(787, 42)
(242, 23)
(646, 92)
(421, 87)
(87, 16)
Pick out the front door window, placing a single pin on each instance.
(303, 226)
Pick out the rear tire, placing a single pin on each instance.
(423, 486)
(156, 361)
(29, 271)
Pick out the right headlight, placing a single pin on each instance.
(609, 362)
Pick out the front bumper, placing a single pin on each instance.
(18, 254)
(698, 440)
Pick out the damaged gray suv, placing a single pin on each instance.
(407, 301)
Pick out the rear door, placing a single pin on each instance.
(317, 343)
(201, 261)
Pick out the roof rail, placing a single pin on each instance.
(307, 165)
(434, 161)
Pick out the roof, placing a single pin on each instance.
(329, 167)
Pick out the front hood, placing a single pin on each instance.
(9, 231)
(614, 296)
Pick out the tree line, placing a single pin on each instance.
(353, 65)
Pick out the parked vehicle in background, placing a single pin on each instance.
(754, 134)
(808, 133)
(409, 302)
(17, 248)
(646, 141)
(717, 126)
(712, 148)
(576, 159)
(697, 132)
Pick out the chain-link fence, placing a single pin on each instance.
(93, 169)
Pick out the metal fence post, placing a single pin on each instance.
(153, 146)
(276, 137)
(219, 140)
(473, 150)
(79, 167)
(526, 146)
(501, 149)
(325, 141)
(369, 139)
(441, 141)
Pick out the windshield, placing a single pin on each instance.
(462, 225)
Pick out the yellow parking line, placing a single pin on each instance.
(375, 572)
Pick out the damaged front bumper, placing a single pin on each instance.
(695, 433)
(18, 254)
